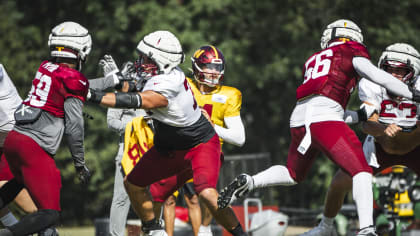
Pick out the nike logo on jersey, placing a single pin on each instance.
(219, 98)
(82, 82)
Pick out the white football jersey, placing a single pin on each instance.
(9, 101)
(400, 111)
(182, 109)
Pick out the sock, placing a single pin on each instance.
(238, 231)
(327, 221)
(9, 219)
(275, 175)
(363, 196)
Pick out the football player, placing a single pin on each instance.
(52, 109)
(185, 143)
(393, 135)
(222, 104)
(317, 123)
(9, 101)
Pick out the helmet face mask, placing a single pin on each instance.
(70, 40)
(342, 28)
(403, 56)
(145, 67)
(208, 65)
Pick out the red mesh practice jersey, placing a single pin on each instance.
(330, 72)
(54, 83)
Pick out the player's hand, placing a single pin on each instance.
(416, 94)
(83, 174)
(128, 71)
(392, 130)
(108, 65)
(95, 96)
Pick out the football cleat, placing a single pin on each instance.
(367, 231)
(204, 231)
(321, 229)
(239, 188)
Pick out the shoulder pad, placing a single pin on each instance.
(75, 83)
(359, 50)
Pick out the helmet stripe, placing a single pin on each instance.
(215, 51)
(198, 53)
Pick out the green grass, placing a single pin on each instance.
(76, 231)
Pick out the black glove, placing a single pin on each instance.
(95, 96)
(416, 94)
(84, 174)
(128, 71)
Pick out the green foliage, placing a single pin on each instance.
(264, 42)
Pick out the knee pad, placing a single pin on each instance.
(36, 222)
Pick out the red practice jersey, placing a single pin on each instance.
(330, 72)
(54, 83)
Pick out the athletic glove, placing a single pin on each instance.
(416, 94)
(83, 173)
(128, 71)
(365, 112)
(111, 71)
(95, 96)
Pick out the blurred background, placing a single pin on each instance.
(265, 44)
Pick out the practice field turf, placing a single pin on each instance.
(76, 231)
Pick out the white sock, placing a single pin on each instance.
(204, 228)
(275, 175)
(327, 221)
(363, 196)
(9, 219)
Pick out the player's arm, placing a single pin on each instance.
(366, 69)
(147, 100)
(74, 129)
(234, 133)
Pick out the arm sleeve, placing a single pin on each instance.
(114, 121)
(102, 83)
(366, 69)
(234, 133)
(74, 129)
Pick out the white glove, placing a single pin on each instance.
(109, 67)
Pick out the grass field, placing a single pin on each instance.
(90, 231)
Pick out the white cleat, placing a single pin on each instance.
(321, 230)
(158, 232)
(367, 231)
(204, 231)
(238, 188)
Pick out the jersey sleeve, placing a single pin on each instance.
(370, 92)
(76, 85)
(359, 50)
(234, 103)
(162, 85)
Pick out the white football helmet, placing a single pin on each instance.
(341, 29)
(163, 48)
(401, 55)
(70, 40)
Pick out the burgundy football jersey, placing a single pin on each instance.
(330, 72)
(54, 83)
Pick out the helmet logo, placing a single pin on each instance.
(60, 48)
(345, 24)
(198, 53)
(215, 51)
(158, 41)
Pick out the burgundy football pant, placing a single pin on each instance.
(35, 169)
(201, 163)
(336, 140)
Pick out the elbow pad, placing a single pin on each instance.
(128, 100)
